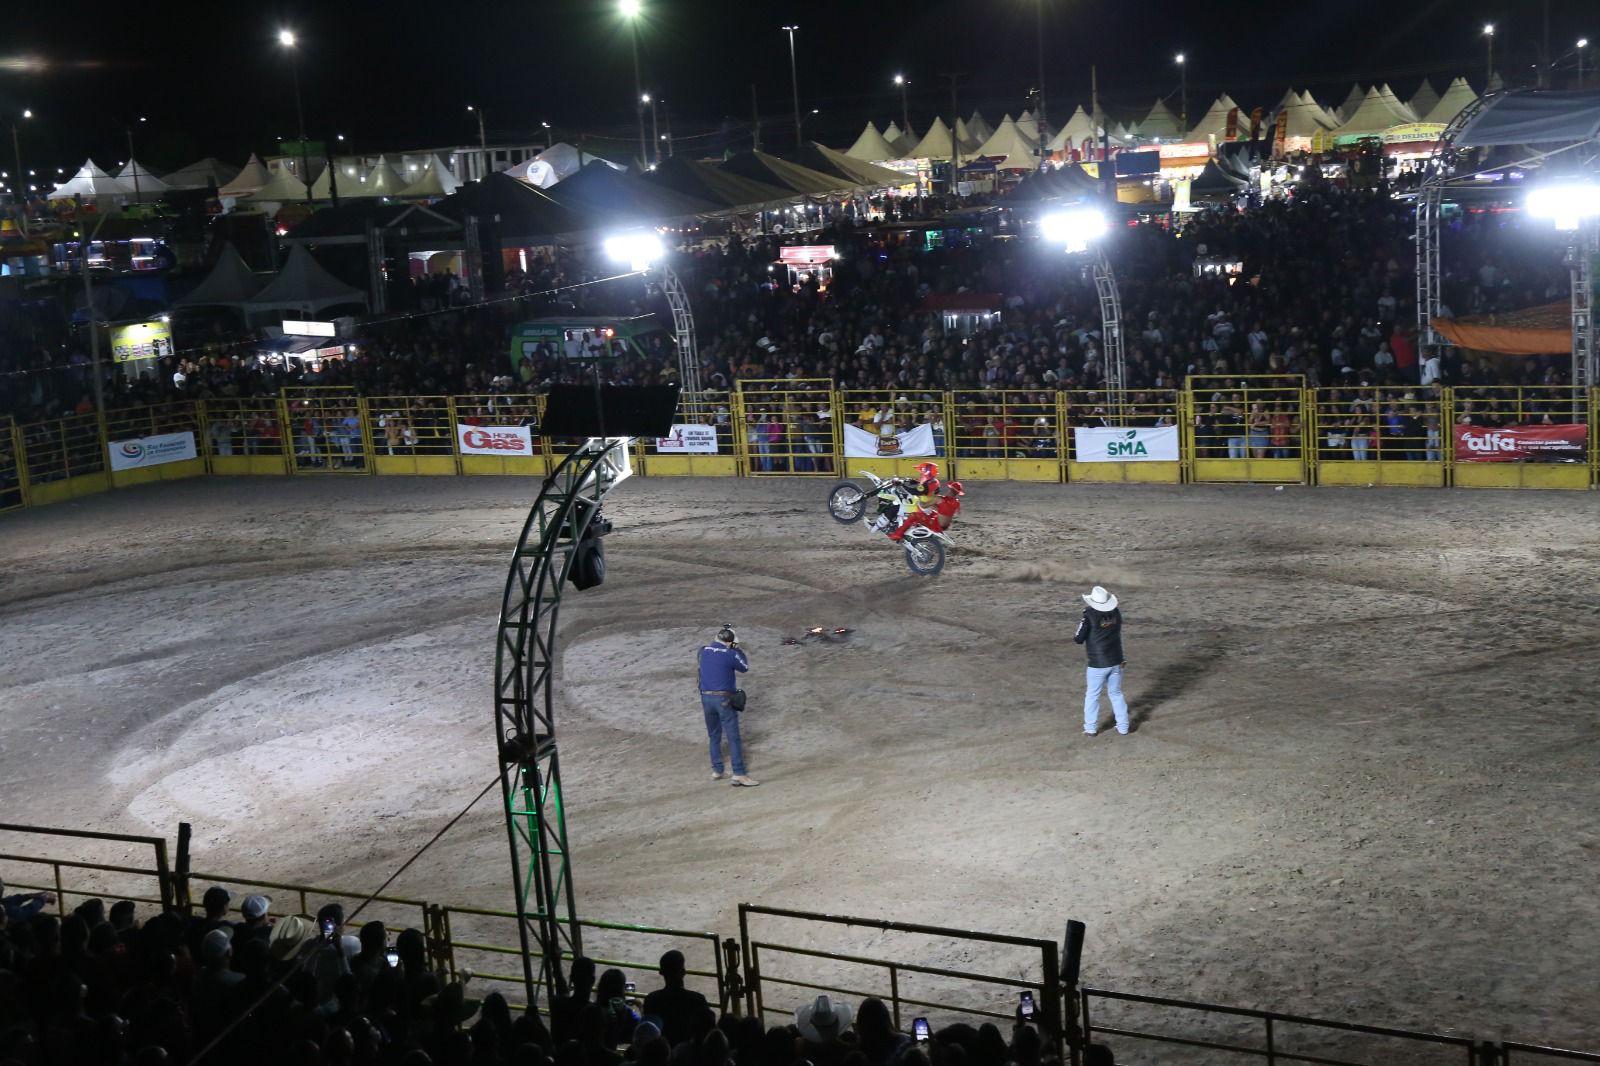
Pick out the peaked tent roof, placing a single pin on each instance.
(1455, 100)
(901, 140)
(148, 182)
(1318, 112)
(1375, 115)
(285, 187)
(1423, 99)
(619, 194)
(1008, 143)
(727, 190)
(828, 161)
(526, 214)
(1159, 122)
(935, 144)
(1066, 184)
(303, 284)
(1214, 181)
(872, 146)
(254, 175)
(204, 173)
(759, 166)
(1306, 119)
(230, 283)
(1028, 124)
(381, 180)
(1392, 98)
(969, 144)
(1071, 136)
(89, 182)
(1215, 121)
(1352, 101)
(435, 182)
(979, 127)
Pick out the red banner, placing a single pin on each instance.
(1478, 444)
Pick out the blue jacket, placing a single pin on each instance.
(718, 664)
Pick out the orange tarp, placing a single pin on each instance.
(1542, 330)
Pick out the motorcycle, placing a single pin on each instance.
(924, 544)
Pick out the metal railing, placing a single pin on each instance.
(786, 427)
(160, 870)
(242, 428)
(1006, 424)
(324, 425)
(1247, 417)
(63, 448)
(1513, 1052)
(1388, 423)
(411, 425)
(12, 486)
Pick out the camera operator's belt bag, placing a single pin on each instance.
(736, 698)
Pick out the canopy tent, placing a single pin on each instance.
(1011, 148)
(435, 182)
(1392, 98)
(1539, 116)
(1214, 181)
(522, 214)
(1070, 138)
(826, 160)
(969, 144)
(149, 184)
(1238, 158)
(729, 191)
(935, 144)
(1352, 102)
(1422, 101)
(1543, 330)
(304, 285)
(286, 187)
(204, 174)
(872, 146)
(554, 164)
(978, 127)
(1457, 95)
(901, 140)
(1028, 123)
(618, 194)
(252, 177)
(1159, 124)
(231, 283)
(91, 183)
(1327, 118)
(1306, 118)
(1065, 184)
(1214, 123)
(759, 166)
(381, 180)
(1376, 114)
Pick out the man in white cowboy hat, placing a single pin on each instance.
(821, 1023)
(1100, 630)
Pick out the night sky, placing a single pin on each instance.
(396, 75)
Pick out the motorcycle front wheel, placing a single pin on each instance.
(847, 502)
(925, 556)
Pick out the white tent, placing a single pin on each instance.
(978, 127)
(149, 185)
(1327, 118)
(1214, 123)
(1423, 99)
(871, 146)
(1451, 104)
(1391, 98)
(1159, 123)
(436, 181)
(1306, 119)
(1352, 101)
(1008, 144)
(230, 283)
(556, 163)
(285, 187)
(207, 172)
(1376, 114)
(969, 144)
(91, 183)
(381, 180)
(1070, 137)
(1029, 126)
(901, 140)
(935, 144)
(303, 285)
(252, 177)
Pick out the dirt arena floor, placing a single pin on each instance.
(1362, 784)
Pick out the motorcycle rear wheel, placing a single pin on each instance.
(925, 556)
(847, 502)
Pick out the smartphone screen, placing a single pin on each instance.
(1027, 1004)
(920, 1029)
(327, 928)
(393, 957)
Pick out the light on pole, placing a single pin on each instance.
(1488, 36)
(1084, 229)
(905, 108)
(1039, 34)
(1183, 95)
(133, 162)
(644, 252)
(794, 84)
(483, 141)
(1583, 42)
(16, 151)
(289, 41)
(655, 127)
(632, 11)
(1574, 207)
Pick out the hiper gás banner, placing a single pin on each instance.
(494, 440)
(860, 444)
(151, 451)
(690, 440)
(1134, 444)
(1507, 444)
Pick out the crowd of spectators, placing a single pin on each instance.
(98, 987)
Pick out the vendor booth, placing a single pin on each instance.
(807, 262)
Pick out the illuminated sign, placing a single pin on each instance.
(806, 254)
(293, 327)
(141, 340)
(1185, 151)
(1412, 132)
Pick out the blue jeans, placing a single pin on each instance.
(722, 719)
(1109, 680)
(1236, 448)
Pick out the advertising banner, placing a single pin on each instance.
(689, 440)
(141, 340)
(1111, 444)
(494, 440)
(151, 451)
(859, 444)
(1509, 444)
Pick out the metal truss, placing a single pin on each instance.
(1440, 169)
(683, 331)
(525, 725)
(1105, 286)
(1580, 258)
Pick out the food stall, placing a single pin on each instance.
(807, 262)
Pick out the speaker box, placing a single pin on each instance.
(588, 563)
(622, 411)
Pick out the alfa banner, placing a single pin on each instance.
(860, 444)
(1142, 444)
(1509, 444)
(151, 451)
(494, 440)
(689, 440)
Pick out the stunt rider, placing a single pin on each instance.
(923, 487)
(936, 511)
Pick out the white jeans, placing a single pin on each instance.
(1109, 680)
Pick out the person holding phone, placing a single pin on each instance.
(1100, 631)
(720, 663)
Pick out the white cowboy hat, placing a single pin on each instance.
(823, 1020)
(1101, 600)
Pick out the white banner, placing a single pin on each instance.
(686, 439)
(1145, 444)
(151, 451)
(494, 440)
(860, 444)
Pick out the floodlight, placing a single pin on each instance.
(1567, 205)
(630, 8)
(638, 250)
(1074, 229)
(286, 38)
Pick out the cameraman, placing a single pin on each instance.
(721, 701)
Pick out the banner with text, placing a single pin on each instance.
(1509, 444)
(689, 440)
(1143, 444)
(151, 451)
(494, 440)
(860, 444)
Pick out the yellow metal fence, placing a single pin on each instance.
(1225, 429)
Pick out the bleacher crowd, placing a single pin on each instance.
(235, 985)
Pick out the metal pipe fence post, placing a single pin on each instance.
(894, 993)
(1271, 1053)
(752, 979)
(728, 986)
(180, 887)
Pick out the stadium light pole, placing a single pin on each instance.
(1038, 8)
(633, 11)
(794, 84)
(1080, 230)
(644, 253)
(133, 162)
(1574, 208)
(483, 140)
(16, 151)
(1583, 42)
(655, 128)
(1183, 94)
(1488, 75)
(905, 108)
(288, 41)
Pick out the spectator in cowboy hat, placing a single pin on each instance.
(822, 1023)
